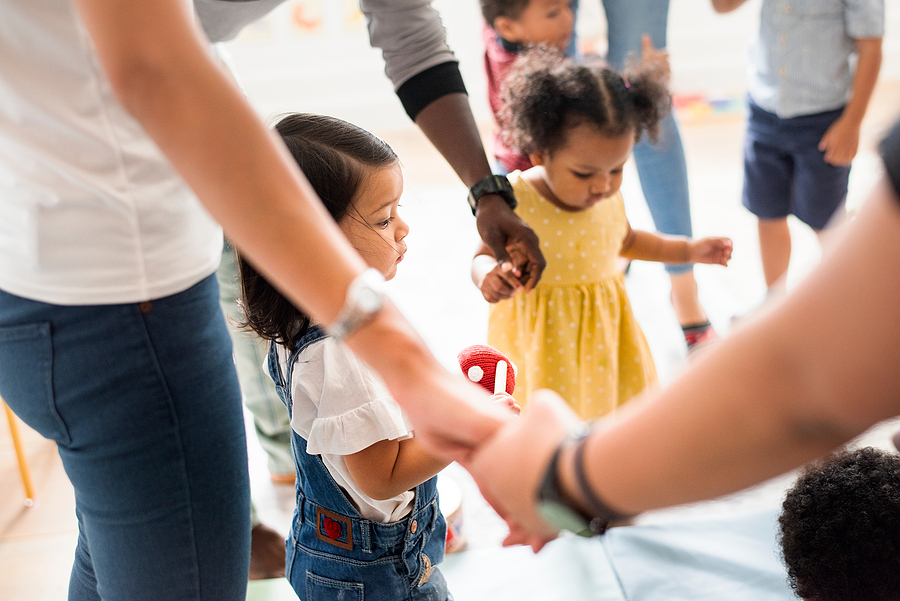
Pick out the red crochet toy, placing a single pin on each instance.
(488, 367)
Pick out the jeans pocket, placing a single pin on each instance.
(320, 588)
(26, 378)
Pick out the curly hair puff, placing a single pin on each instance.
(840, 528)
(546, 94)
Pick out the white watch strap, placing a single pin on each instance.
(365, 297)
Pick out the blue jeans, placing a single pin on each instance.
(335, 553)
(143, 403)
(661, 166)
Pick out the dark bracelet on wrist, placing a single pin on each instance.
(492, 184)
(600, 511)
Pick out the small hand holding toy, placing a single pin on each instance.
(492, 370)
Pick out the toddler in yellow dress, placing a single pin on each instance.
(575, 332)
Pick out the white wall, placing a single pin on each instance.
(333, 70)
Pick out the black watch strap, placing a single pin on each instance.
(492, 184)
(602, 515)
(599, 516)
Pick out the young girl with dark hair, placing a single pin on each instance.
(575, 332)
(367, 519)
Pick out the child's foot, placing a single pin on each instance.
(267, 553)
(698, 334)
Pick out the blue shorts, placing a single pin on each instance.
(785, 172)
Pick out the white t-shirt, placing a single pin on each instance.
(341, 406)
(91, 212)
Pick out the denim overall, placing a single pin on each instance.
(335, 554)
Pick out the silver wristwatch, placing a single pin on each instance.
(365, 298)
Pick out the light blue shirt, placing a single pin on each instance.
(803, 60)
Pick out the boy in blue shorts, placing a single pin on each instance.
(813, 66)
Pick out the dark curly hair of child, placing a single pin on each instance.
(840, 528)
(336, 157)
(545, 95)
(512, 9)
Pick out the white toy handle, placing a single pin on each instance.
(500, 378)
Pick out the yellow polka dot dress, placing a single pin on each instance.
(575, 332)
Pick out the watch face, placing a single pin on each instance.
(560, 516)
(369, 300)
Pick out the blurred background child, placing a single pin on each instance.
(575, 332)
(813, 66)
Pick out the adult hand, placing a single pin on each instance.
(509, 466)
(510, 239)
(657, 57)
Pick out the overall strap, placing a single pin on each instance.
(315, 484)
(282, 380)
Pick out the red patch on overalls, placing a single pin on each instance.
(334, 529)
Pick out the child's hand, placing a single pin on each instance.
(713, 250)
(840, 142)
(500, 283)
(657, 57)
(507, 401)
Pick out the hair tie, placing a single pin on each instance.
(627, 85)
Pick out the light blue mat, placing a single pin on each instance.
(728, 558)
(725, 558)
(567, 569)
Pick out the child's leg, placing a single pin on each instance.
(685, 299)
(774, 250)
(769, 172)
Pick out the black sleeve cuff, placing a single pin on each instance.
(890, 153)
(424, 88)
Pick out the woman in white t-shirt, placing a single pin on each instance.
(122, 144)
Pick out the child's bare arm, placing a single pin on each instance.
(495, 283)
(651, 246)
(726, 6)
(391, 467)
(841, 141)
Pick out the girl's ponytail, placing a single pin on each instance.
(545, 94)
(646, 84)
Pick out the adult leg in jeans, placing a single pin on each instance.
(143, 403)
(661, 166)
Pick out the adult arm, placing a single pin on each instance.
(162, 72)
(789, 386)
(426, 78)
(841, 141)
